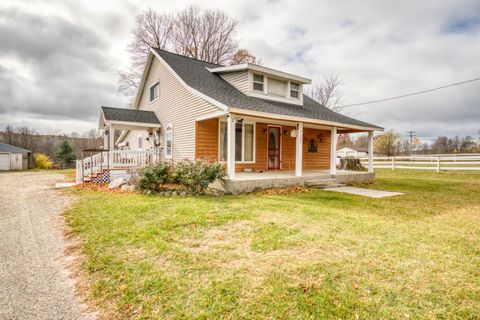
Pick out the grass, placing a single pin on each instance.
(312, 255)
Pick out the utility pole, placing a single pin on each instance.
(411, 134)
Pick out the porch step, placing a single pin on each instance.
(321, 183)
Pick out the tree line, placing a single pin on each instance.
(61, 148)
(392, 143)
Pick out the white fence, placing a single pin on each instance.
(458, 162)
(118, 159)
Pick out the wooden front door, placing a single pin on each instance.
(274, 147)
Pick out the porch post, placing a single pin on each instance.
(333, 151)
(231, 146)
(299, 150)
(105, 138)
(370, 151)
(111, 144)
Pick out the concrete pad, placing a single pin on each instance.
(365, 192)
(62, 185)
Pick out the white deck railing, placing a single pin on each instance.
(118, 159)
(459, 162)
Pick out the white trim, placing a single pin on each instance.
(333, 151)
(134, 124)
(141, 86)
(168, 126)
(299, 150)
(266, 96)
(256, 67)
(300, 119)
(231, 146)
(370, 152)
(211, 115)
(254, 158)
(193, 91)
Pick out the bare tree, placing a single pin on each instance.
(9, 130)
(152, 29)
(243, 56)
(203, 34)
(327, 93)
(207, 35)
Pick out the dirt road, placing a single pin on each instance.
(34, 283)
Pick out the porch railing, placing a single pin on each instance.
(118, 159)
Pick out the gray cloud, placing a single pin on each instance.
(58, 60)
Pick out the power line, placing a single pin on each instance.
(410, 94)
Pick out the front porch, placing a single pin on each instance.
(247, 182)
(251, 145)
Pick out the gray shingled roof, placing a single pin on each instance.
(6, 148)
(129, 115)
(195, 74)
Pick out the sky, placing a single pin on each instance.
(59, 59)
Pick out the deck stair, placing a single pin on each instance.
(321, 183)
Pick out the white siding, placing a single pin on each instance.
(238, 79)
(177, 106)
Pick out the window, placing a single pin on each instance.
(294, 90)
(258, 82)
(154, 91)
(168, 141)
(244, 141)
(277, 87)
(140, 141)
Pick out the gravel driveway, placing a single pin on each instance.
(34, 283)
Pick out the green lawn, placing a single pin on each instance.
(312, 255)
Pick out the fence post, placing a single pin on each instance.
(393, 163)
(438, 164)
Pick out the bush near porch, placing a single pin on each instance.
(192, 176)
(309, 255)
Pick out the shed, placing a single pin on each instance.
(13, 158)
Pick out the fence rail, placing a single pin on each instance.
(118, 159)
(454, 162)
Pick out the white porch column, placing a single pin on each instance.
(111, 144)
(333, 151)
(299, 150)
(370, 151)
(105, 138)
(231, 147)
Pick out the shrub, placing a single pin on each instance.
(196, 176)
(153, 177)
(42, 161)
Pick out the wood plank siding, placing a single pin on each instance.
(207, 144)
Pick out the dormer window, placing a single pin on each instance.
(258, 83)
(294, 90)
(277, 87)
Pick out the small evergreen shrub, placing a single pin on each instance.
(42, 161)
(153, 177)
(196, 176)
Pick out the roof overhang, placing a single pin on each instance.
(125, 125)
(261, 69)
(341, 127)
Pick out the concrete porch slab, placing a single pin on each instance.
(365, 192)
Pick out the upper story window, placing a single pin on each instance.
(294, 90)
(258, 83)
(169, 142)
(277, 87)
(154, 91)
